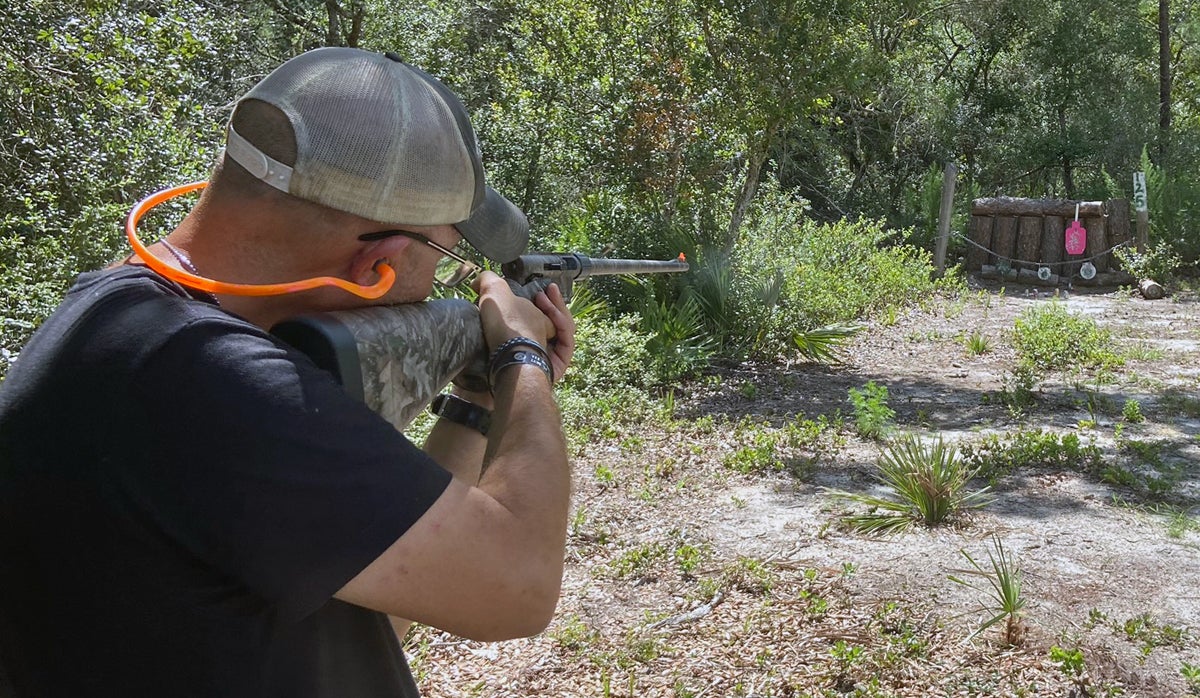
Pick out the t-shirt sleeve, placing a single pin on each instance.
(259, 464)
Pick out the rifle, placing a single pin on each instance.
(397, 358)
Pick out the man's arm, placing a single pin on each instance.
(458, 449)
(485, 562)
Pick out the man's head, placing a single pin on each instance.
(367, 134)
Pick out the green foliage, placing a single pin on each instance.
(821, 345)
(103, 103)
(1048, 338)
(1132, 412)
(756, 449)
(977, 343)
(793, 277)
(1191, 674)
(750, 575)
(998, 455)
(1149, 633)
(610, 355)
(679, 343)
(640, 561)
(1158, 262)
(794, 150)
(927, 481)
(1003, 600)
(1173, 198)
(573, 634)
(1070, 661)
(872, 416)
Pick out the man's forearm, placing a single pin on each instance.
(457, 448)
(527, 469)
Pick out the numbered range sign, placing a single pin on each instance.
(1076, 238)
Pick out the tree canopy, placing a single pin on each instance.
(648, 125)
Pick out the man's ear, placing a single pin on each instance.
(362, 266)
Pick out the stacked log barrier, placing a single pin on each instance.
(1097, 240)
(1053, 234)
(1118, 224)
(1025, 234)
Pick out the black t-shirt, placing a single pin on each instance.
(181, 494)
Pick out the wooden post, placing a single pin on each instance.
(1004, 240)
(981, 235)
(1118, 221)
(944, 215)
(1141, 201)
(1053, 246)
(1097, 240)
(1029, 241)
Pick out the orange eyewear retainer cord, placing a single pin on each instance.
(387, 275)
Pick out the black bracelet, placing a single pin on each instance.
(518, 342)
(518, 357)
(460, 411)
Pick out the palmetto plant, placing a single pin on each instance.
(928, 484)
(1000, 582)
(821, 345)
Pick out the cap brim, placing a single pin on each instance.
(498, 229)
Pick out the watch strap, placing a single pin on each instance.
(455, 409)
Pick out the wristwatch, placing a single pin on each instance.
(460, 411)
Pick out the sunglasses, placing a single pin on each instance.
(453, 268)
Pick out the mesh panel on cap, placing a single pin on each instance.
(373, 139)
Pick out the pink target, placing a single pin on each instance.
(1076, 238)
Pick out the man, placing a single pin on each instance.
(189, 507)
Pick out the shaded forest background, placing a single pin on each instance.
(752, 134)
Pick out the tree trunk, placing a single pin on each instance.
(1010, 206)
(1164, 80)
(333, 34)
(749, 188)
(1068, 176)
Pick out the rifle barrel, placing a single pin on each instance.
(602, 265)
(576, 266)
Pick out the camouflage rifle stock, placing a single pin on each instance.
(396, 359)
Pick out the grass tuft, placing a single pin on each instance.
(928, 485)
(1000, 582)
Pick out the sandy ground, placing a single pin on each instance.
(687, 578)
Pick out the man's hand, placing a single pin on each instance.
(562, 348)
(505, 315)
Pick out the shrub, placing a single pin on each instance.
(872, 416)
(610, 354)
(999, 455)
(928, 485)
(1049, 338)
(1000, 582)
(791, 275)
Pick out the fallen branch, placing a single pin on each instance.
(694, 614)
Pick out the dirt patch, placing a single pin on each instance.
(693, 573)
